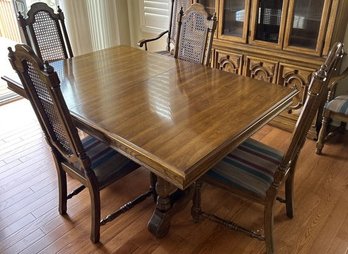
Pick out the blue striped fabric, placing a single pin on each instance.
(338, 105)
(105, 161)
(250, 167)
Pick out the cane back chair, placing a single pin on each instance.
(195, 35)
(45, 32)
(256, 171)
(175, 8)
(335, 108)
(88, 160)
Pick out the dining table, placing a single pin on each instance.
(175, 118)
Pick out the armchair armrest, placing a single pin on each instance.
(144, 42)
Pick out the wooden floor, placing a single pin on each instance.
(30, 223)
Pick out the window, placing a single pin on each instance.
(155, 15)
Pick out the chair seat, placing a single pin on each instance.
(338, 105)
(250, 167)
(107, 164)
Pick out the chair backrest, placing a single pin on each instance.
(42, 87)
(195, 35)
(317, 89)
(45, 32)
(176, 7)
(331, 64)
(334, 56)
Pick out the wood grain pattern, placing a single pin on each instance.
(174, 117)
(320, 214)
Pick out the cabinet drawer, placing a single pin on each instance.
(261, 69)
(228, 61)
(295, 77)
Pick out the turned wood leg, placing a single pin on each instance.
(153, 181)
(323, 131)
(95, 214)
(62, 188)
(160, 220)
(196, 209)
(268, 221)
(343, 126)
(289, 196)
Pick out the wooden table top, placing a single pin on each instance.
(175, 118)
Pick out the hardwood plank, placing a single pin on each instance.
(25, 167)
(331, 228)
(24, 242)
(15, 198)
(14, 227)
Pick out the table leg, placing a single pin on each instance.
(160, 220)
(169, 201)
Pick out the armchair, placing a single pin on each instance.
(45, 32)
(195, 35)
(88, 160)
(335, 108)
(175, 8)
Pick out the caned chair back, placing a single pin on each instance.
(46, 33)
(90, 161)
(176, 7)
(334, 107)
(41, 84)
(317, 91)
(333, 58)
(331, 64)
(195, 35)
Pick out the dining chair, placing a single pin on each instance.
(335, 108)
(256, 171)
(195, 35)
(175, 8)
(45, 32)
(89, 160)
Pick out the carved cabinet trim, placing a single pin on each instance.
(228, 61)
(295, 77)
(261, 69)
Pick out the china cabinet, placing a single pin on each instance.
(278, 41)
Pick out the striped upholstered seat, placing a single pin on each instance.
(338, 105)
(250, 167)
(103, 158)
(251, 170)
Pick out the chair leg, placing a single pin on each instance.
(153, 181)
(62, 188)
(196, 209)
(343, 126)
(95, 214)
(322, 133)
(268, 227)
(289, 198)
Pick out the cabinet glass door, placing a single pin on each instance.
(306, 24)
(233, 20)
(267, 22)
